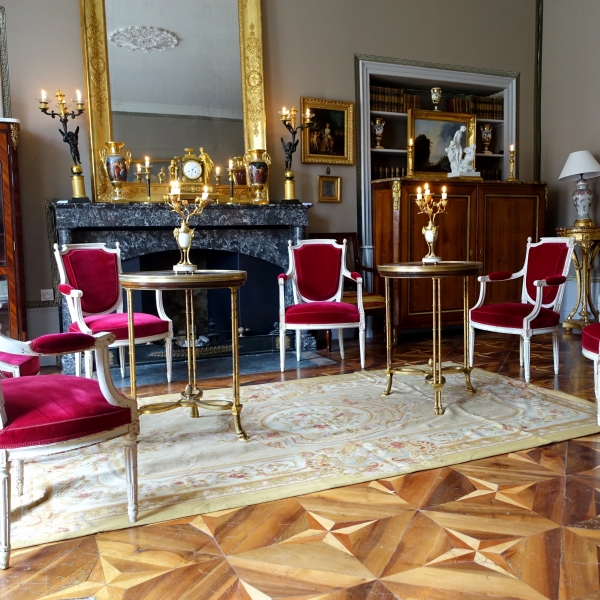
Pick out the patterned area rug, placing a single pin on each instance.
(305, 436)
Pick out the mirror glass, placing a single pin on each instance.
(175, 79)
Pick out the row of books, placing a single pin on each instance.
(491, 174)
(485, 107)
(389, 99)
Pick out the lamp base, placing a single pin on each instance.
(184, 268)
(431, 259)
(583, 223)
(290, 201)
(78, 185)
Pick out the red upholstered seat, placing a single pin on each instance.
(56, 408)
(145, 325)
(590, 338)
(321, 313)
(511, 314)
(28, 365)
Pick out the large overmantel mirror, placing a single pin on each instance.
(162, 77)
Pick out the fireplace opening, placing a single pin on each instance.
(258, 305)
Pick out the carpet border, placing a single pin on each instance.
(196, 508)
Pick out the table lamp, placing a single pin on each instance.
(580, 167)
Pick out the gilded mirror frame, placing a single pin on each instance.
(97, 84)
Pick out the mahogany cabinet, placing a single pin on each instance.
(13, 316)
(488, 221)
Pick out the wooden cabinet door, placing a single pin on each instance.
(507, 216)
(385, 230)
(456, 241)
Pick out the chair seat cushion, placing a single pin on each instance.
(321, 313)
(28, 365)
(511, 314)
(145, 325)
(371, 301)
(56, 408)
(590, 338)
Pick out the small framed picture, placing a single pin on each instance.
(330, 188)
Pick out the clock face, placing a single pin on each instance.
(192, 169)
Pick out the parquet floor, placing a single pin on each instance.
(522, 525)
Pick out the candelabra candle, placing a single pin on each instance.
(431, 207)
(288, 118)
(218, 175)
(69, 137)
(147, 169)
(138, 173)
(231, 181)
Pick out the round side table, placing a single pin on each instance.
(434, 271)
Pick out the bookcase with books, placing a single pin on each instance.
(390, 101)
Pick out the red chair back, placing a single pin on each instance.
(318, 271)
(96, 273)
(545, 260)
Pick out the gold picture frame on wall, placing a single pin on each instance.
(330, 188)
(97, 88)
(431, 133)
(330, 138)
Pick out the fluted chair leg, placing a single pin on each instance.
(130, 447)
(4, 510)
(520, 351)
(555, 351)
(282, 348)
(298, 344)
(19, 476)
(527, 357)
(361, 342)
(341, 341)
(169, 357)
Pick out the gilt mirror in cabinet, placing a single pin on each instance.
(203, 89)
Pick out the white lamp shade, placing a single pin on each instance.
(580, 164)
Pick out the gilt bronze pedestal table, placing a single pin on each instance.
(586, 239)
(434, 271)
(191, 396)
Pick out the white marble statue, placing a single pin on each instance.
(461, 166)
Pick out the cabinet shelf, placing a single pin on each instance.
(389, 150)
(489, 155)
(385, 113)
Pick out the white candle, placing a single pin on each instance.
(419, 193)
(139, 168)
(308, 113)
(410, 142)
(231, 164)
(217, 171)
(43, 95)
(175, 189)
(205, 193)
(78, 96)
(147, 161)
(427, 189)
(512, 147)
(444, 195)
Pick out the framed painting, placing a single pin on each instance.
(431, 133)
(330, 138)
(330, 188)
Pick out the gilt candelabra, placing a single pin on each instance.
(431, 207)
(69, 137)
(184, 235)
(288, 118)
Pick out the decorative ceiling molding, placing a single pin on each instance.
(141, 38)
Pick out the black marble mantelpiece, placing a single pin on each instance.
(141, 229)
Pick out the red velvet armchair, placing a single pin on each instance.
(544, 275)
(316, 270)
(45, 415)
(89, 280)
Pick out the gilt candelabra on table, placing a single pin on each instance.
(288, 118)
(184, 234)
(69, 137)
(431, 207)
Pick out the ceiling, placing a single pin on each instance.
(200, 76)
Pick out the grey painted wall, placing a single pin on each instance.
(309, 49)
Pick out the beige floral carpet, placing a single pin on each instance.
(304, 436)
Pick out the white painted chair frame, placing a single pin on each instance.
(337, 297)
(77, 313)
(595, 357)
(525, 332)
(18, 455)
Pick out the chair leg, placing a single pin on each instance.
(341, 341)
(19, 476)
(298, 344)
(77, 356)
(89, 363)
(122, 360)
(527, 357)
(520, 351)
(361, 343)
(4, 509)
(555, 350)
(169, 355)
(130, 447)
(471, 345)
(282, 347)
(328, 339)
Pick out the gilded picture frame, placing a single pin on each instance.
(431, 132)
(330, 139)
(330, 188)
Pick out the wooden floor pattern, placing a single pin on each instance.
(521, 525)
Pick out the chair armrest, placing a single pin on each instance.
(356, 276)
(367, 269)
(62, 343)
(69, 291)
(550, 281)
(283, 277)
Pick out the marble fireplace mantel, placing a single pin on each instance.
(258, 231)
